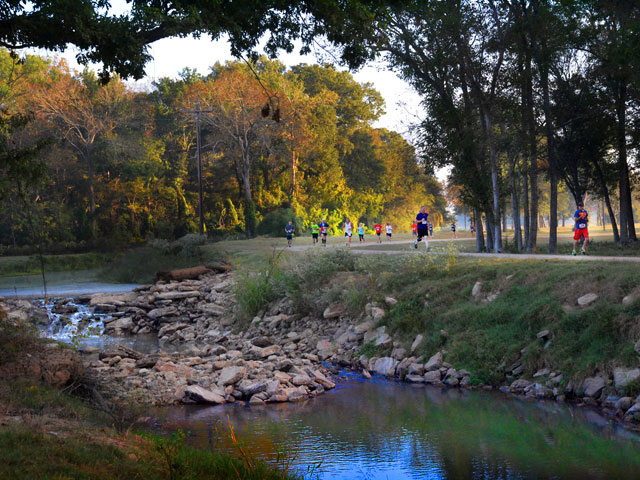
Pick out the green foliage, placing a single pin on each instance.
(274, 222)
(369, 349)
(254, 290)
(16, 337)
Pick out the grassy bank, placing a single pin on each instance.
(435, 299)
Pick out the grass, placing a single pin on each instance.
(434, 299)
(30, 265)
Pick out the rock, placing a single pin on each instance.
(366, 374)
(255, 400)
(385, 366)
(587, 299)
(414, 378)
(197, 394)
(363, 327)
(124, 323)
(451, 381)
(250, 387)
(231, 375)
(416, 343)
(177, 295)
(593, 386)
(162, 312)
(416, 369)
(297, 396)
(271, 350)
(541, 373)
(212, 309)
(334, 311)
(301, 379)
(146, 362)
(540, 391)
(543, 335)
(261, 341)
(282, 377)
(377, 313)
(434, 363)
(623, 404)
(432, 377)
(476, 291)
(623, 377)
(399, 353)
(375, 335)
(285, 365)
(493, 296)
(519, 386)
(633, 414)
(390, 301)
(636, 347)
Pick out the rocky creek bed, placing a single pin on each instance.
(279, 356)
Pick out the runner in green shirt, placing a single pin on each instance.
(315, 229)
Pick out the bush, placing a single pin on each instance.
(273, 223)
(15, 338)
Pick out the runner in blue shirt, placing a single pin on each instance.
(324, 230)
(422, 219)
(580, 231)
(289, 229)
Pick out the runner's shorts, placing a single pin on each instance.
(314, 235)
(422, 233)
(581, 232)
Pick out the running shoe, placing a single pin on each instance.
(583, 251)
(415, 244)
(574, 253)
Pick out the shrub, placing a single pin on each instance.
(273, 223)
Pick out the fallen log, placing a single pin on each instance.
(191, 273)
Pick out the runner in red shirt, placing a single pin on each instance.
(378, 228)
(414, 229)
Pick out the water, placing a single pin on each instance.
(386, 430)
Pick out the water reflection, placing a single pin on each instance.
(385, 430)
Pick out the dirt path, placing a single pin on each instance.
(369, 249)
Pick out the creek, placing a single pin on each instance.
(379, 429)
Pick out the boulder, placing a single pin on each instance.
(414, 378)
(519, 386)
(434, 363)
(416, 369)
(124, 323)
(385, 366)
(633, 414)
(587, 299)
(270, 350)
(335, 310)
(592, 387)
(198, 394)
(231, 375)
(162, 312)
(476, 291)
(250, 387)
(301, 379)
(377, 313)
(212, 309)
(177, 295)
(363, 327)
(624, 376)
(390, 301)
(416, 342)
(261, 341)
(433, 377)
(623, 404)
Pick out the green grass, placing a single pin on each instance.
(23, 265)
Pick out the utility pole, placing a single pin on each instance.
(197, 112)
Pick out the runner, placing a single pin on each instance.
(378, 228)
(581, 231)
(473, 229)
(388, 228)
(361, 232)
(453, 229)
(422, 219)
(431, 229)
(315, 229)
(347, 228)
(289, 229)
(414, 229)
(324, 230)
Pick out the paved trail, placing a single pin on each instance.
(370, 249)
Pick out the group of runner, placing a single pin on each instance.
(422, 229)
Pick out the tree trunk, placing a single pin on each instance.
(627, 226)
(525, 205)
(490, 231)
(553, 175)
(479, 231)
(495, 186)
(249, 207)
(607, 201)
(92, 195)
(515, 206)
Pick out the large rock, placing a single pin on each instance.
(416, 369)
(390, 301)
(124, 323)
(434, 363)
(476, 291)
(379, 336)
(231, 375)
(385, 366)
(177, 295)
(301, 379)
(416, 343)
(251, 387)
(363, 327)
(377, 313)
(587, 299)
(520, 385)
(433, 377)
(163, 312)
(198, 394)
(334, 311)
(624, 376)
(592, 387)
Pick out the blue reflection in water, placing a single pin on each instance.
(385, 430)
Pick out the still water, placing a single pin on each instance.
(385, 430)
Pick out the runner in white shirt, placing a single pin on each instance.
(348, 231)
(389, 231)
